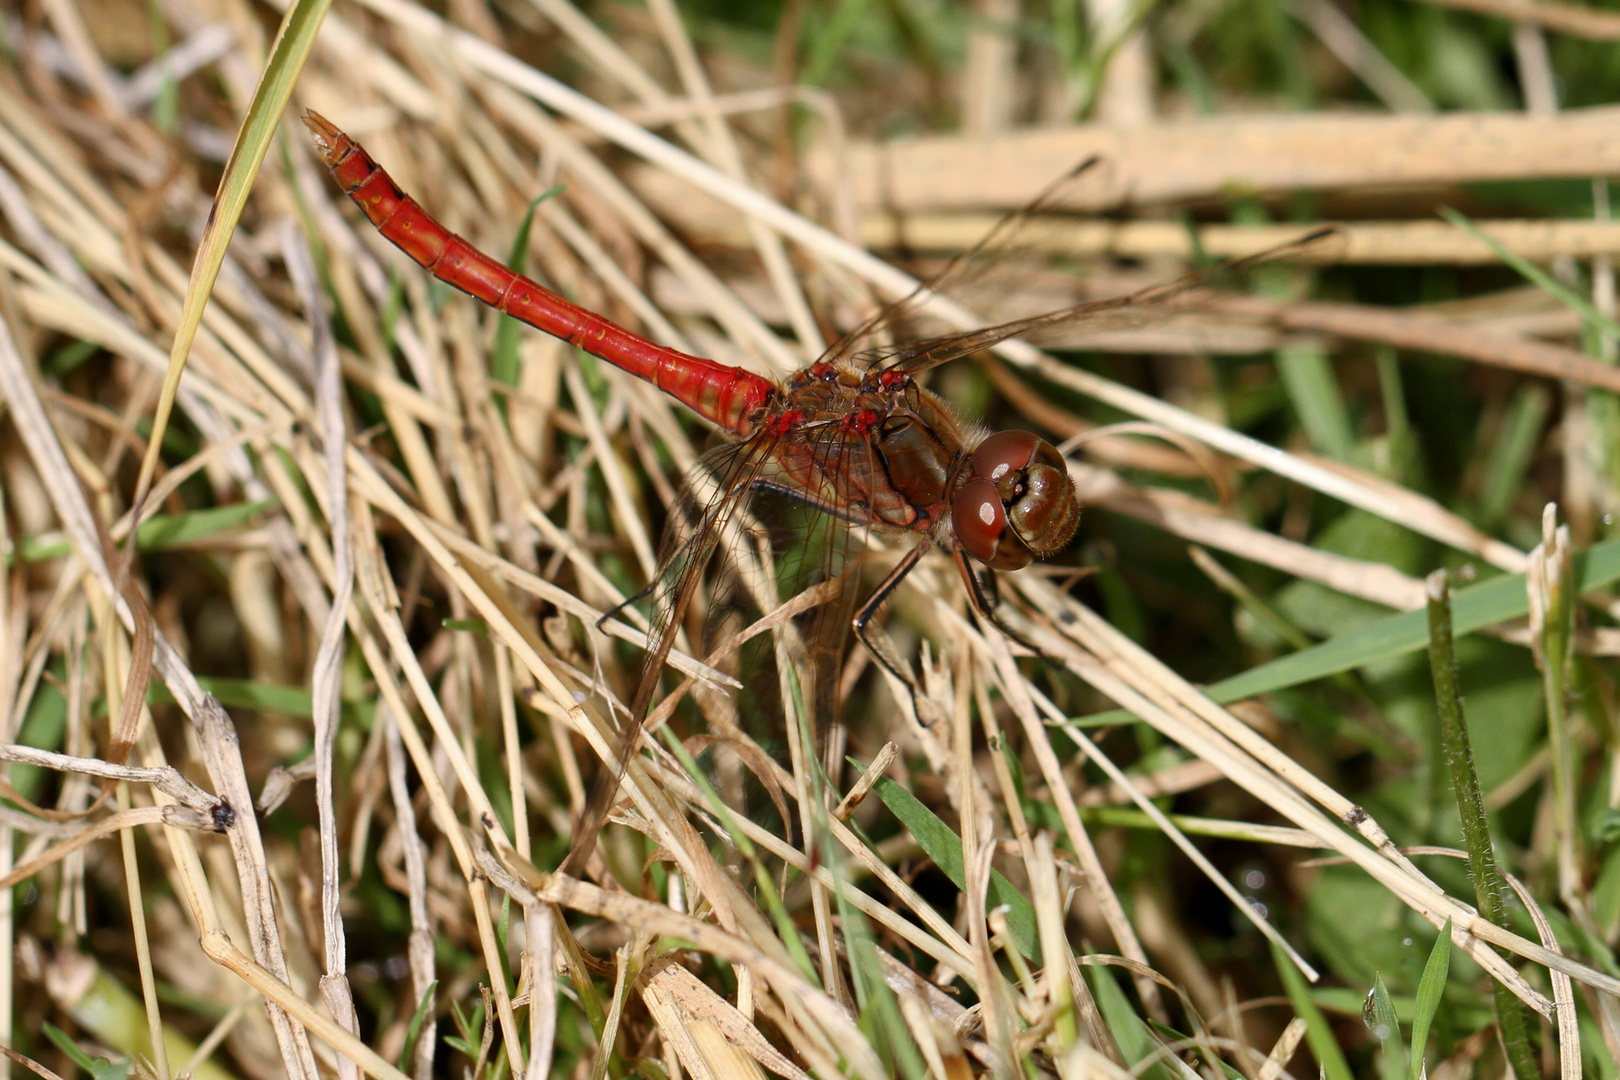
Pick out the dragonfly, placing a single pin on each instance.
(871, 447)
(866, 443)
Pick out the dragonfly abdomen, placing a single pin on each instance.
(731, 397)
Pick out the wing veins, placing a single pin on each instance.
(696, 552)
(1131, 309)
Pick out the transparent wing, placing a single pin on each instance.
(992, 249)
(719, 510)
(1115, 313)
(709, 503)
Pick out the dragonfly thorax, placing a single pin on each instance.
(880, 451)
(871, 447)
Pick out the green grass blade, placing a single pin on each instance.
(1401, 443)
(1485, 604)
(1536, 275)
(415, 1027)
(503, 358)
(770, 898)
(1386, 1028)
(942, 845)
(828, 46)
(1318, 1032)
(166, 104)
(1511, 454)
(287, 56)
(1459, 756)
(163, 531)
(1477, 606)
(1133, 1037)
(880, 1010)
(259, 696)
(1307, 375)
(175, 530)
(1430, 988)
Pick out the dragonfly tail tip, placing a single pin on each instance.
(326, 134)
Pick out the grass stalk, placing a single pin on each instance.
(1459, 755)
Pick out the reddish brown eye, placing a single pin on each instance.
(1036, 509)
(980, 522)
(1004, 452)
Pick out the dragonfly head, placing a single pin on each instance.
(1017, 504)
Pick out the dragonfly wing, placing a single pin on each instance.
(818, 476)
(1095, 316)
(992, 249)
(697, 524)
(1116, 313)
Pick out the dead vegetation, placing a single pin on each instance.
(294, 758)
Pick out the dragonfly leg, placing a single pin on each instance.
(614, 611)
(868, 611)
(986, 598)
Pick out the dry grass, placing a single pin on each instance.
(297, 764)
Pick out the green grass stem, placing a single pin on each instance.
(1471, 810)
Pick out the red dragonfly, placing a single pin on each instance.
(870, 447)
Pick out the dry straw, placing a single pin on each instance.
(416, 589)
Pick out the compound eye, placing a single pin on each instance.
(1006, 453)
(1032, 481)
(979, 520)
